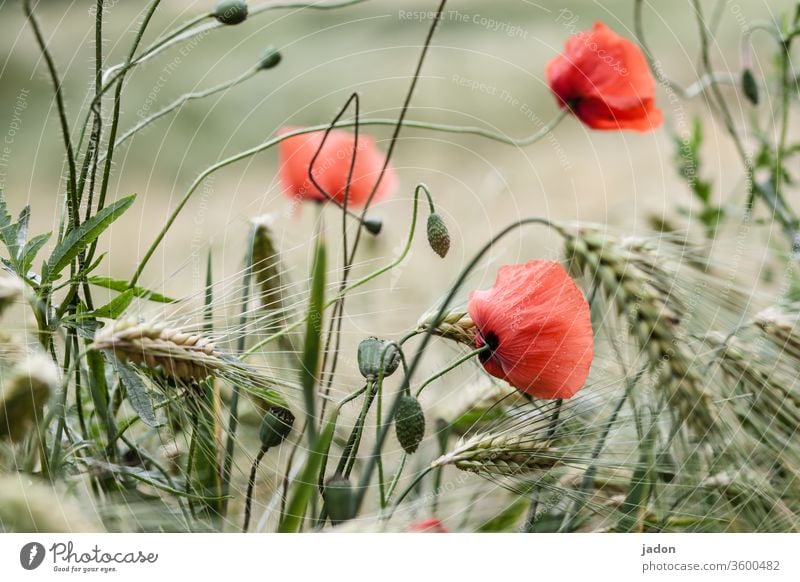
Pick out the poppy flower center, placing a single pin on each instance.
(491, 340)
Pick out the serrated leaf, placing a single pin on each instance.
(78, 239)
(136, 390)
(114, 308)
(121, 285)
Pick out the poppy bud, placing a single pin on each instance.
(438, 236)
(276, 426)
(750, 86)
(231, 11)
(370, 354)
(339, 499)
(409, 423)
(271, 58)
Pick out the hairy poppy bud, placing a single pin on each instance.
(750, 86)
(231, 11)
(276, 426)
(271, 58)
(339, 499)
(438, 236)
(370, 354)
(409, 423)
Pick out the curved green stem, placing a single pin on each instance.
(529, 140)
(404, 389)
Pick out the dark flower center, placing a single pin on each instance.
(489, 339)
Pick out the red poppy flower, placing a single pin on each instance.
(430, 525)
(536, 323)
(605, 81)
(332, 167)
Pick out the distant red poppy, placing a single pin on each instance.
(537, 325)
(430, 525)
(605, 81)
(332, 167)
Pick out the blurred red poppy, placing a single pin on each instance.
(332, 167)
(537, 325)
(605, 81)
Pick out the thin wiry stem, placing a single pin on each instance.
(426, 338)
(251, 484)
(233, 419)
(180, 101)
(112, 136)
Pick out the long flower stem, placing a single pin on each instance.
(233, 419)
(72, 181)
(426, 338)
(251, 484)
(529, 140)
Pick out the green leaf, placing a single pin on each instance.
(114, 308)
(121, 285)
(77, 240)
(136, 390)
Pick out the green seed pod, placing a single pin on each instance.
(339, 499)
(409, 423)
(231, 11)
(370, 352)
(438, 236)
(271, 58)
(750, 86)
(276, 426)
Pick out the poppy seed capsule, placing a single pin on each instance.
(271, 58)
(409, 423)
(438, 235)
(339, 499)
(370, 354)
(231, 11)
(276, 426)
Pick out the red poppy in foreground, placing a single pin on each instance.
(605, 81)
(536, 323)
(430, 525)
(332, 167)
